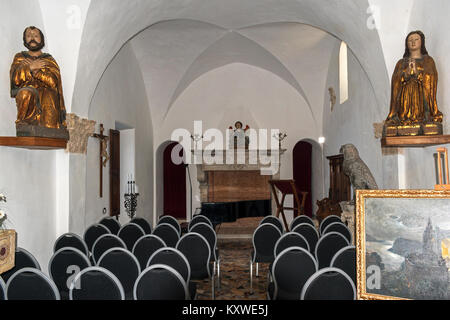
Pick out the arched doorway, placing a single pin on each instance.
(174, 183)
(302, 171)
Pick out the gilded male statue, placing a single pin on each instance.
(413, 89)
(36, 86)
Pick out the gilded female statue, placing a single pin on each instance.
(414, 83)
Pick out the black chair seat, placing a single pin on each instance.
(31, 284)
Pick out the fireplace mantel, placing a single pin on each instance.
(207, 165)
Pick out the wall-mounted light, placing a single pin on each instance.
(321, 140)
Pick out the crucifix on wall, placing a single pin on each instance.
(104, 157)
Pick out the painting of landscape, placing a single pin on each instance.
(407, 241)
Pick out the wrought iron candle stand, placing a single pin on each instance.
(131, 199)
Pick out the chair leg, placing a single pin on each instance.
(251, 277)
(213, 285)
(218, 274)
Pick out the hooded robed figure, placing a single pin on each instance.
(414, 84)
(36, 84)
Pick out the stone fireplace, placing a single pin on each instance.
(231, 180)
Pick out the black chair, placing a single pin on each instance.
(208, 232)
(291, 269)
(339, 227)
(23, 259)
(329, 284)
(93, 233)
(124, 265)
(96, 283)
(160, 282)
(345, 259)
(264, 238)
(71, 240)
(172, 221)
(310, 233)
(301, 219)
(64, 265)
(2, 289)
(327, 246)
(111, 223)
(197, 251)
(168, 233)
(145, 247)
(144, 224)
(175, 259)
(31, 284)
(273, 220)
(104, 243)
(130, 233)
(290, 239)
(328, 220)
(197, 219)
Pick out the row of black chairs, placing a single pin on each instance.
(269, 240)
(295, 275)
(71, 255)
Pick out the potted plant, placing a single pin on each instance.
(7, 241)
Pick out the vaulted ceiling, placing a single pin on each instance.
(177, 41)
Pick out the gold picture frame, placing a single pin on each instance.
(386, 196)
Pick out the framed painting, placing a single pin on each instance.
(403, 244)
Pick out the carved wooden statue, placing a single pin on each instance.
(414, 109)
(36, 86)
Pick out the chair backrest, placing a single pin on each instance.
(143, 223)
(111, 223)
(22, 259)
(338, 227)
(273, 220)
(145, 247)
(290, 239)
(63, 265)
(2, 289)
(208, 232)
(197, 219)
(264, 239)
(345, 259)
(104, 243)
(196, 249)
(31, 284)
(172, 221)
(328, 220)
(130, 233)
(160, 282)
(172, 258)
(168, 233)
(327, 246)
(329, 284)
(301, 219)
(92, 233)
(71, 240)
(310, 233)
(96, 283)
(291, 269)
(124, 265)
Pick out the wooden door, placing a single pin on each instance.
(302, 172)
(114, 172)
(174, 185)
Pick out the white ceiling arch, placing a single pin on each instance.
(108, 27)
